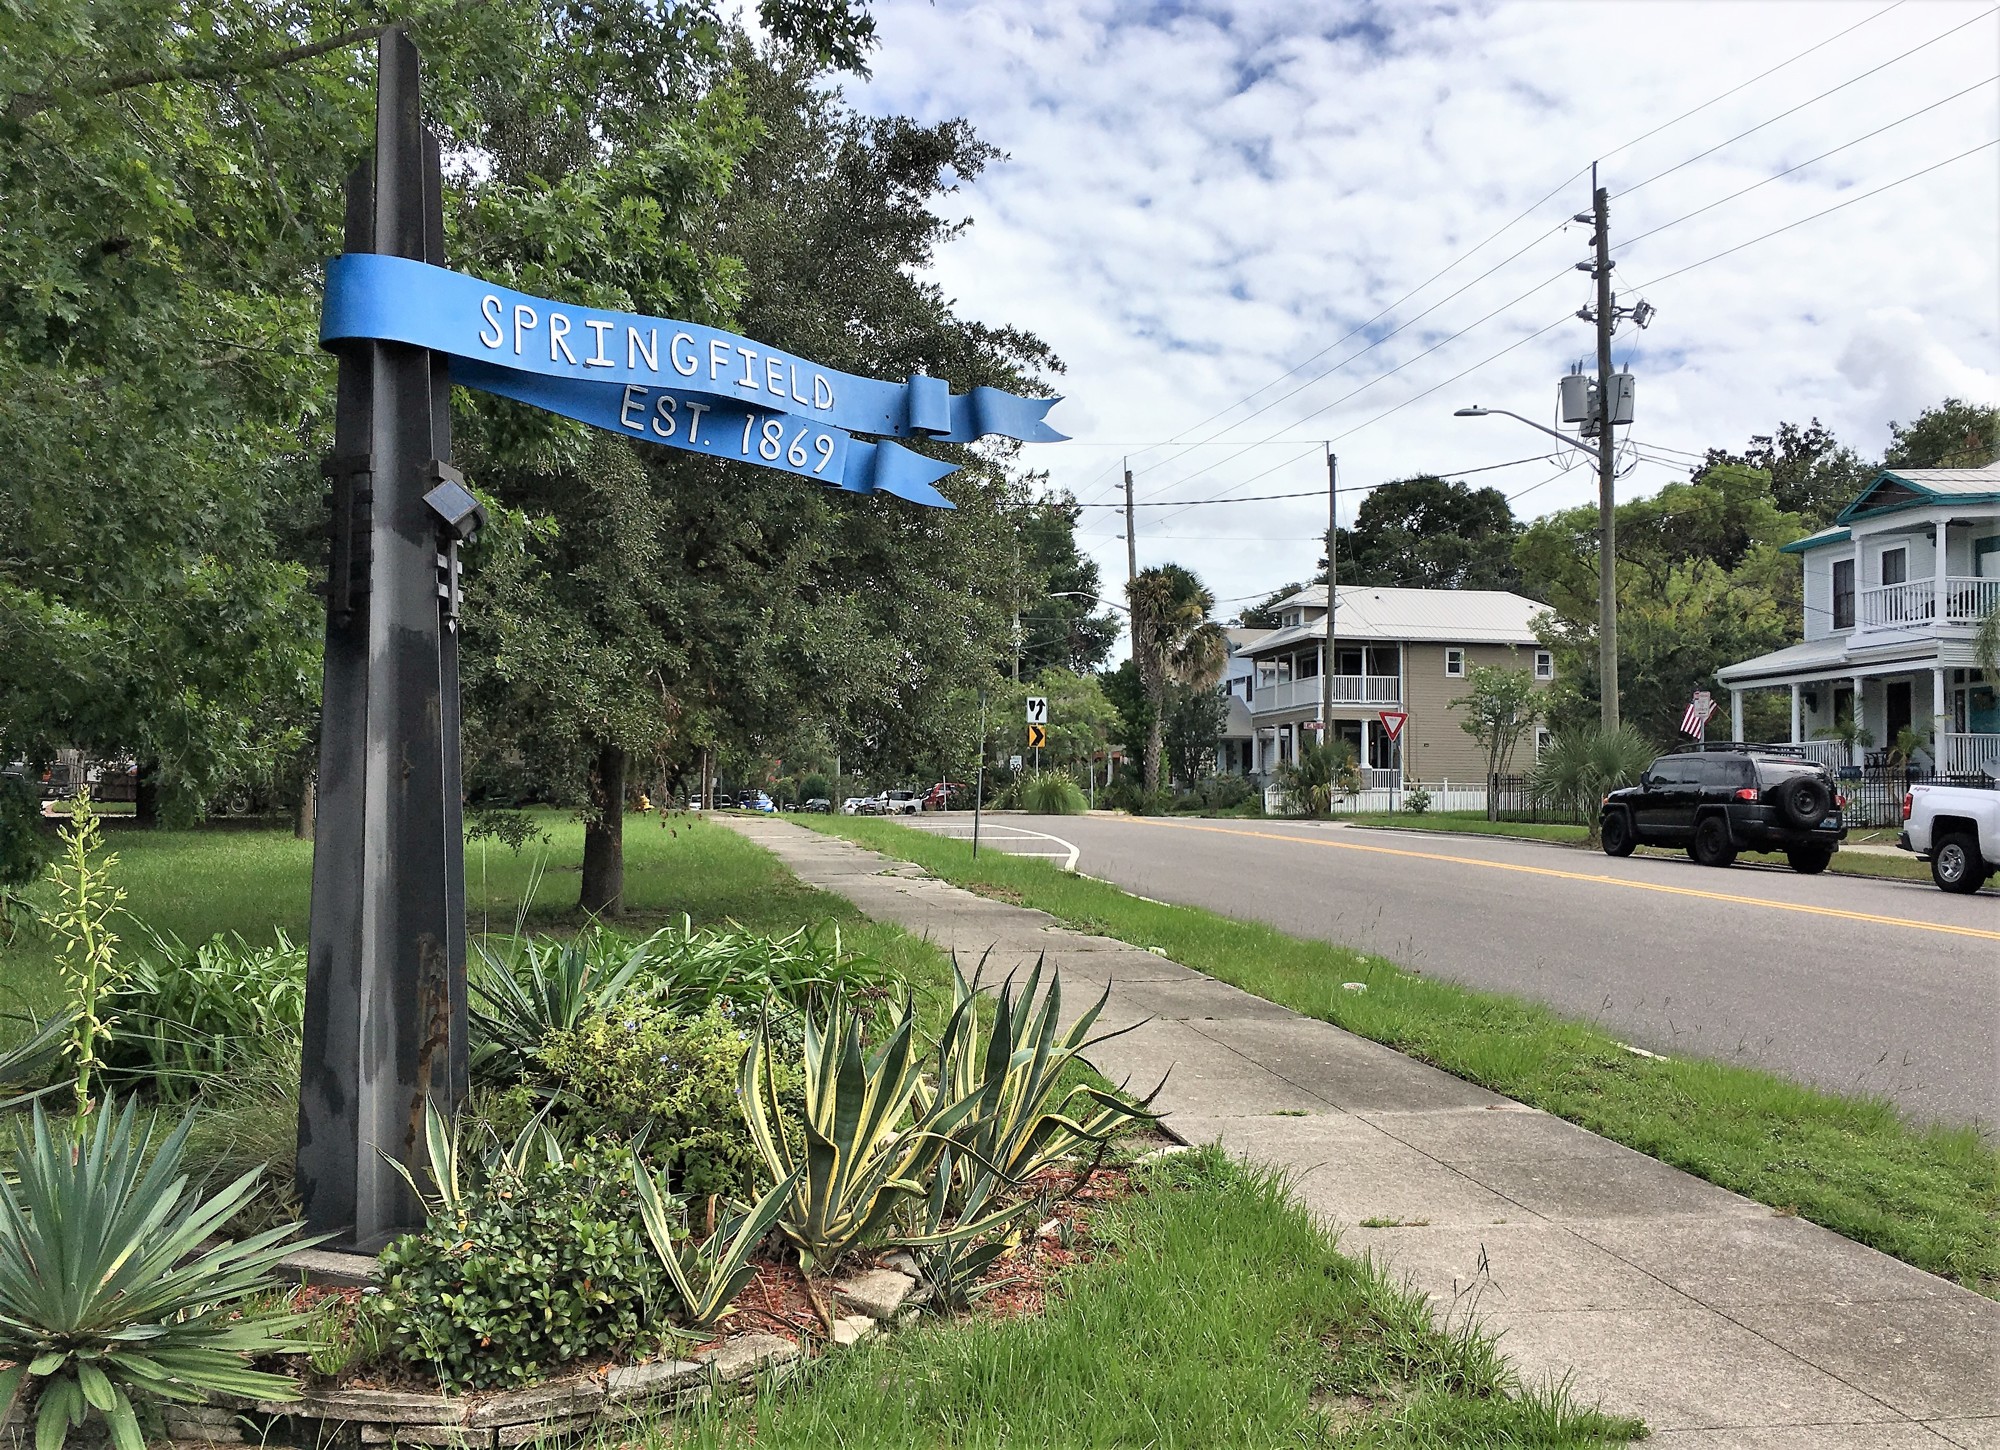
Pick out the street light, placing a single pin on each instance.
(1607, 565)
(1093, 598)
(1503, 413)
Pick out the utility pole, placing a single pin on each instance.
(1332, 536)
(1017, 604)
(1607, 517)
(1131, 536)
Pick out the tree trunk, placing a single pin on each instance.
(1154, 735)
(306, 817)
(603, 891)
(146, 794)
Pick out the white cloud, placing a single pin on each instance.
(1200, 196)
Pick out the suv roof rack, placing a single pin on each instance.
(1743, 748)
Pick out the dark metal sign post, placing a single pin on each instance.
(385, 1030)
(385, 1026)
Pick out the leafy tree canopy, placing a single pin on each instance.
(1427, 533)
(1954, 434)
(1813, 474)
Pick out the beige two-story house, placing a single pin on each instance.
(1393, 651)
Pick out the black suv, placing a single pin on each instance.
(1718, 800)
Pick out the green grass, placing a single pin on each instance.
(1472, 823)
(1221, 1315)
(1928, 1195)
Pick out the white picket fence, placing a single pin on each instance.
(1445, 795)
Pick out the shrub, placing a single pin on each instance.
(106, 1288)
(539, 1268)
(184, 1014)
(1320, 774)
(671, 1077)
(1127, 793)
(1578, 767)
(694, 968)
(1416, 800)
(1051, 793)
(24, 850)
(1224, 792)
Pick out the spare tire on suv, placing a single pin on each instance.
(1803, 801)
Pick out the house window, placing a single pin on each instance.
(1843, 594)
(1545, 667)
(1542, 738)
(1895, 565)
(1307, 667)
(1454, 663)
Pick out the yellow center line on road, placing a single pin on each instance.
(1834, 911)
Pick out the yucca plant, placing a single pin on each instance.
(539, 988)
(106, 1290)
(1016, 1126)
(710, 1274)
(867, 1146)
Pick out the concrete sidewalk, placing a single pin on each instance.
(1723, 1324)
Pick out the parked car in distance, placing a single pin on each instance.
(755, 800)
(947, 795)
(900, 802)
(856, 805)
(819, 805)
(1957, 829)
(1719, 800)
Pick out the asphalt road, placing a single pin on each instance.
(1885, 987)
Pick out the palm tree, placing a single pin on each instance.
(1173, 642)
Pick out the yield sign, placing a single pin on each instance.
(1393, 721)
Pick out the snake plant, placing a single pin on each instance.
(864, 1143)
(105, 1288)
(710, 1274)
(1016, 1127)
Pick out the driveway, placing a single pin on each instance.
(1882, 987)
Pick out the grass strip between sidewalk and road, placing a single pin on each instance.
(1462, 823)
(1928, 1195)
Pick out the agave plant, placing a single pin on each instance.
(710, 1274)
(868, 1145)
(953, 1252)
(30, 1060)
(543, 987)
(445, 1192)
(1016, 1127)
(105, 1288)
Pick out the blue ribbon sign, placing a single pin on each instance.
(672, 383)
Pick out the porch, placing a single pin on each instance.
(1940, 717)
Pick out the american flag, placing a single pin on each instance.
(1695, 722)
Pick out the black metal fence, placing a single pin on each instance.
(1514, 798)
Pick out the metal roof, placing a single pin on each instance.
(1385, 615)
(1815, 541)
(1834, 652)
(1924, 486)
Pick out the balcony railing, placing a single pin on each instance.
(1916, 603)
(1347, 690)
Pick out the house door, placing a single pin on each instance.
(1895, 709)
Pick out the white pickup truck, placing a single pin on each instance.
(1957, 829)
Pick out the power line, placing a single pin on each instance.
(1629, 241)
(1311, 492)
(1803, 104)
(1761, 75)
(1829, 211)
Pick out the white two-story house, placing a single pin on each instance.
(1894, 593)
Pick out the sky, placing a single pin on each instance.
(1250, 229)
